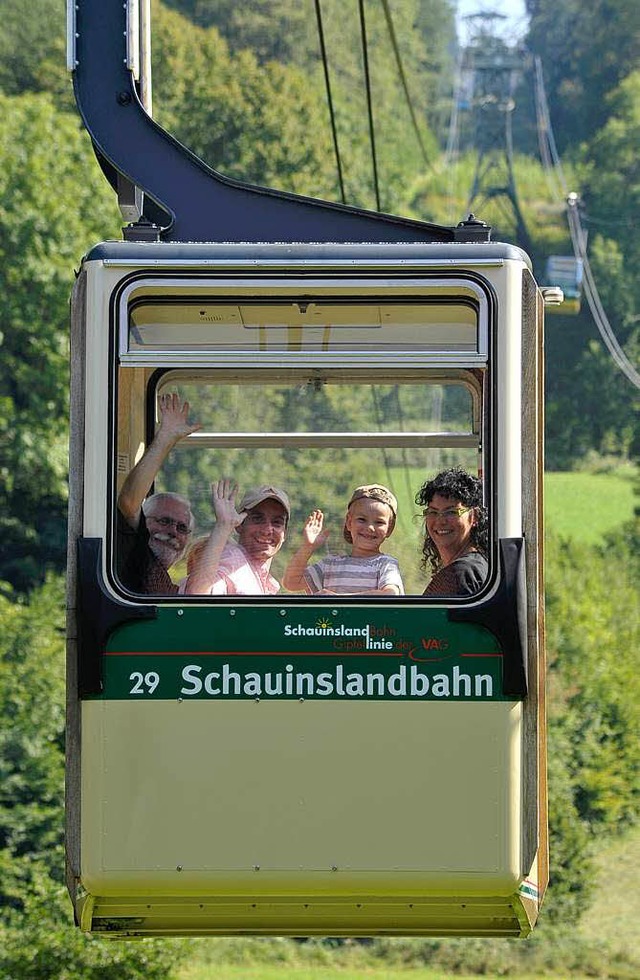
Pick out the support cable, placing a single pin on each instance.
(593, 297)
(403, 79)
(327, 82)
(453, 139)
(385, 458)
(405, 459)
(367, 79)
(578, 239)
(548, 150)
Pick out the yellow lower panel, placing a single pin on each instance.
(301, 818)
(121, 918)
(186, 794)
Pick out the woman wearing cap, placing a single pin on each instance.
(455, 543)
(225, 568)
(370, 520)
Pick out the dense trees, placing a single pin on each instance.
(37, 940)
(592, 627)
(271, 52)
(53, 204)
(586, 51)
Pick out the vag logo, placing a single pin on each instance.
(433, 643)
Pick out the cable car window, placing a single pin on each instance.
(303, 325)
(317, 434)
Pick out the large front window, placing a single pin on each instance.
(316, 395)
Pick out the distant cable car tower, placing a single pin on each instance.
(490, 72)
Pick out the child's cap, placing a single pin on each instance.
(255, 496)
(374, 491)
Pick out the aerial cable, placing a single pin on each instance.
(403, 79)
(555, 156)
(327, 82)
(548, 150)
(543, 143)
(405, 458)
(578, 239)
(367, 79)
(385, 457)
(593, 298)
(453, 138)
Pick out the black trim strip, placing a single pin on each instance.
(98, 615)
(505, 615)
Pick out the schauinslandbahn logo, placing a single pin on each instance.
(369, 661)
(398, 657)
(406, 682)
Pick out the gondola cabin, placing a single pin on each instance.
(565, 272)
(288, 764)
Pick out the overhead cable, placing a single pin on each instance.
(367, 82)
(453, 140)
(327, 82)
(593, 298)
(548, 150)
(578, 239)
(403, 79)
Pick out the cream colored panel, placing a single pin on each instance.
(300, 787)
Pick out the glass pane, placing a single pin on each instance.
(317, 436)
(322, 476)
(299, 326)
(321, 404)
(321, 479)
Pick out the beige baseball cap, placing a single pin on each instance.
(255, 495)
(374, 491)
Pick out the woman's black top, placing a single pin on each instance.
(464, 576)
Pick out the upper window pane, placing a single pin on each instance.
(175, 326)
(325, 403)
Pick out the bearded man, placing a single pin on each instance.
(153, 532)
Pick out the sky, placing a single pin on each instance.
(510, 29)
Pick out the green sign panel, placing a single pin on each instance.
(260, 652)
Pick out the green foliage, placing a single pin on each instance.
(40, 941)
(275, 30)
(593, 623)
(553, 953)
(37, 938)
(585, 506)
(32, 709)
(29, 42)
(586, 50)
(53, 204)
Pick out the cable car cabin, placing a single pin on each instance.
(294, 764)
(566, 272)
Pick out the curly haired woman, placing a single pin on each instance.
(455, 544)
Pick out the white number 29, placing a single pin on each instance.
(144, 683)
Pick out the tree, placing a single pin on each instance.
(586, 50)
(29, 40)
(53, 205)
(262, 124)
(611, 196)
(595, 707)
(37, 937)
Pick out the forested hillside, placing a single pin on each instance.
(242, 84)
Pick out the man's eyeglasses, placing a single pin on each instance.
(180, 526)
(449, 514)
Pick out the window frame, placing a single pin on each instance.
(389, 364)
